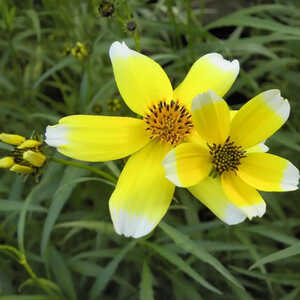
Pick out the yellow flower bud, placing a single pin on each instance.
(12, 139)
(6, 162)
(29, 144)
(21, 169)
(37, 159)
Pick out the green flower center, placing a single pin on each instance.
(226, 157)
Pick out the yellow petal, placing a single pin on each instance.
(209, 72)
(242, 195)
(29, 144)
(143, 194)
(97, 138)
(187, 164)
(209, 191)
(268, 172)
(12, 139)
(140, 80)
(6, 162)
(37, 159)
(21, 169)
(259, 119)
(211, 117)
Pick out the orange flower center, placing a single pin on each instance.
(226, 157)
(170, 122)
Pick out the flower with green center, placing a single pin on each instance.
(225, 170)
(143, 194)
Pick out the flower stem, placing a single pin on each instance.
(86, 167)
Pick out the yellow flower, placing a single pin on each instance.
(225, 170)
(143, 194)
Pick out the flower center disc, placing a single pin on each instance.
(170, 122)
(226, 157)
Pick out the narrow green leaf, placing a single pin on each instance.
(190, 246)
(9, 205)
(146, 287)
(59, 199)
(182, 265)
(104, 227)
(282, 254)
(28, 297)
(105, 276)
(60, 65)
(62, 274)
(35, 22)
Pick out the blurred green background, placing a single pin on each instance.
(56, 236)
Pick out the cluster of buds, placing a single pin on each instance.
(114, 105)
(26, 156)
(79, 51)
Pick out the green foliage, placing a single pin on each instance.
(56, 236)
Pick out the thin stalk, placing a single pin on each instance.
(85, 167)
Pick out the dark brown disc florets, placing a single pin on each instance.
(226, 157)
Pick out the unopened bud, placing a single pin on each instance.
(29, 144)
(21, 169)
(12, 139)
(6, 162)
(37, 159)
(106, 8)
(131, 26)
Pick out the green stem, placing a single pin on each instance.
(137, 40)
(86, 167)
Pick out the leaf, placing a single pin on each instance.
(182, 265)
(41, 191)
(28, 297)
(9, 205)
(272, 233)
(104, 277)
(92, 225)
(255, 22)
(190, 246)
(62, 274)
(60, 65)
(35, 21)
(59, 199)
(146, 286)
(282, 254)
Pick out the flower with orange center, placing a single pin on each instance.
(143, 194)
(225, 170)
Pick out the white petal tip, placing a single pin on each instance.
(131, 225)
(56, 135)
(255, 210)
(263, 147)
(277, 103)
(118, 49)
(204, 99)
(290, 179)
(169, 164)
(224, 64)
(233, 215)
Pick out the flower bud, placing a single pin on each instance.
(6, 162)
(106, 8)
(12, 139)
(21, 169)
(37, 159)
(29, 144)
(131, 26)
